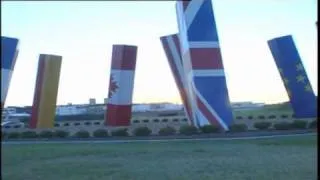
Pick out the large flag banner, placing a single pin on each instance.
(123, 64)
(9, 53)
(46, 91)
(171, 46)
(294, 77)
(202, 61)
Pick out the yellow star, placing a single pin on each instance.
(308, 88)
(299, 67)
(300, 78)
(286, 81)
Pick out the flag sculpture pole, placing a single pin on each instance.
(294, 76)
(202, 61)
(9, 53)
(46, 90)
(123, 64)
(171, 46)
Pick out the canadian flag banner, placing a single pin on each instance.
(118, 111)
(121, 87)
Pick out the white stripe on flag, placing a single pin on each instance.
(204, 44)
(176, 58)
(212, 111)
(211, 72)
(205, 73)
(202, 119)
(192, 11)
(5, 82)
(124, 81)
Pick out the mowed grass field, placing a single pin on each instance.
(281, 158)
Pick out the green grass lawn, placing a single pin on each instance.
(293, 158)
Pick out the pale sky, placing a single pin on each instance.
(83, 33)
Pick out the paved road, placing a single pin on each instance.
(151, 140)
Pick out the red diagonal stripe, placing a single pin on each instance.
(205, 111)
(185, 4)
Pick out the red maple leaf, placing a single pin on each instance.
(113, 86)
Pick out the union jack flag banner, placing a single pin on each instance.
(171, 46)
(294, 77)
(123, 64)
(202, 64)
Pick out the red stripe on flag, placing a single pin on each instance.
(205, 111)
(37, 93)
(124, 57)
(206, 58)
(185, 4)
(118, 115)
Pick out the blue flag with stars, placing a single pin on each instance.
(294, 77)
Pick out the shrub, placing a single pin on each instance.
(82, 134)
(188, 130)
(14, 135)
(313, 124)
(299, 124)
(17, 126)
(282, 126)
(76, 124)
(164, 120)
(167, 131)
(262, 125)
(60, 134)
(100, 133)
(4, 135)
(46, 134)
(96, 123)
(210, 129)
(272, 117)
(142, 131)
(238, 128)
(120, 132)
(87, 123)
(29, 134)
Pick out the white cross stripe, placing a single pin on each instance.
(211, 72)
(204, 44)
(192, 11)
